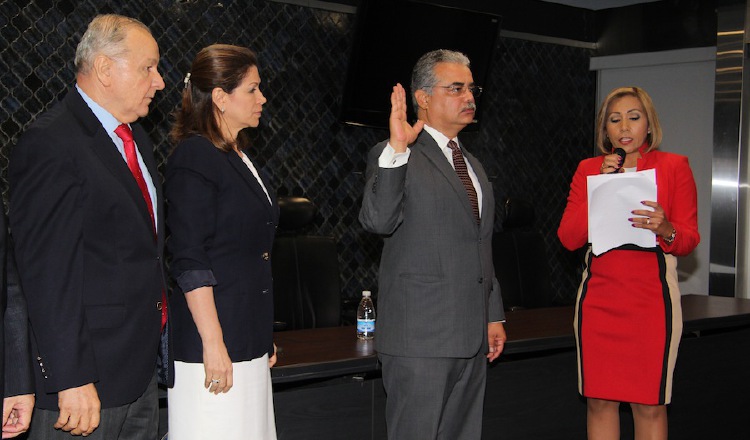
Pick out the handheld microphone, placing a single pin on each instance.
(620, 152)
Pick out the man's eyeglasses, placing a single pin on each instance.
(459, 89)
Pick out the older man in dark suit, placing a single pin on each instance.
(86, 215)
(440, 309)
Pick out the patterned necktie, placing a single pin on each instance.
(124, 133)
(463, 173)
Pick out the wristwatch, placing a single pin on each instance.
(671, 237)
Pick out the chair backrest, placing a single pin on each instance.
(306, 277)
(520, 259)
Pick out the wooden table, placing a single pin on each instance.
(327, 383)
(329, 352)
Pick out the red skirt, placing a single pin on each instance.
(628, 324)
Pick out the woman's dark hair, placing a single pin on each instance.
(219, 65)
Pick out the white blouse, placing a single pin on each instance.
(255, 173)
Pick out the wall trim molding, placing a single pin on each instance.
(547, 39)
(679, 56)
(317, 4)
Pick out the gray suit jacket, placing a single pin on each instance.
(437, 287)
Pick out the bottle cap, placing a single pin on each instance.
(366, 293)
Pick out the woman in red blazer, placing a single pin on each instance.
(222, 217)
(628, 318)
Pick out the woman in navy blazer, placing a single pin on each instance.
(222, 218)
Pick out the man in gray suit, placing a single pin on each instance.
(440, 310)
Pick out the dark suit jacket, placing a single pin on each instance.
(221, 233)
(15, 364)
(437, 288)
(90, 266)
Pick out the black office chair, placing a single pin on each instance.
(305, 269)
(520, 258)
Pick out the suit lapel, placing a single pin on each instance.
(272, 194)
(252, 183)
(487, 192)
(103, 148)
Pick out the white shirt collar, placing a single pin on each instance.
(440, 138)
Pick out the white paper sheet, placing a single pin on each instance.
(612, 198)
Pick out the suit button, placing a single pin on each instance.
(265, 256)
(266, 291)
(158, 305)
(481, 280)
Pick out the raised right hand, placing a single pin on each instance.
(79, 410)
(402, 133)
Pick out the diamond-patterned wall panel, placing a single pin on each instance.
(536, 122)
(536, 127)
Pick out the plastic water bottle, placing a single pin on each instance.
(366, 317)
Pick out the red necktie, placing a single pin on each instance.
(463, 173)
(124, 133)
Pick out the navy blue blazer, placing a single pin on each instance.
(90, 266)
(221, 234)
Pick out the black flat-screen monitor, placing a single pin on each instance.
(390, 37)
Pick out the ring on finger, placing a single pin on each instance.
(215, 380)
(648, 221)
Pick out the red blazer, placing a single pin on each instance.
(676, 193)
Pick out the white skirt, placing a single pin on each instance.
(243, 413)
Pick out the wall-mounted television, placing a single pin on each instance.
(391, 35)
